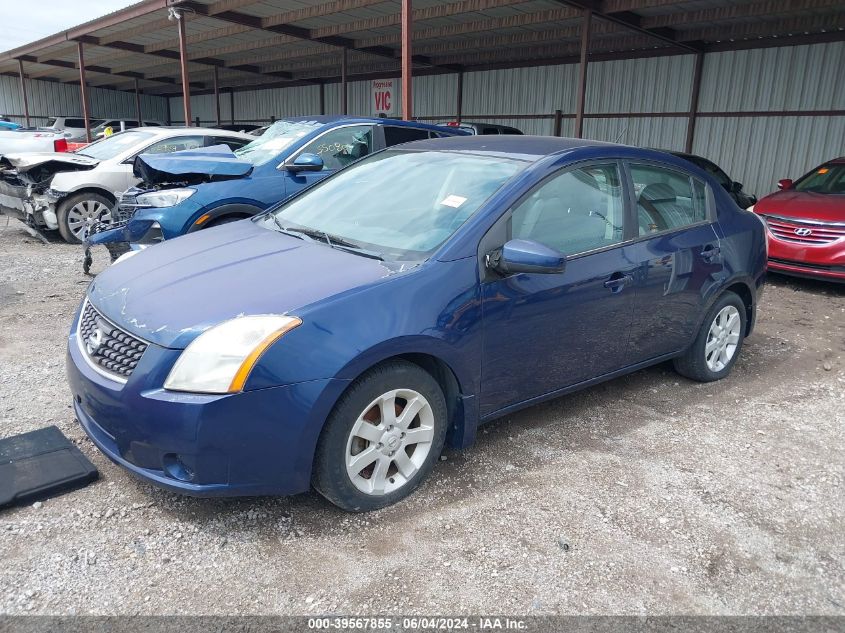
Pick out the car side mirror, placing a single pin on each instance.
(526, 256)
(304, 162)
(736, 187)
(785, 183)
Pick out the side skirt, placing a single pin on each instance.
(576, 387)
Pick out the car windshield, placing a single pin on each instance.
(277, 137)
(115, 145)
(825, 179)
(396, 205)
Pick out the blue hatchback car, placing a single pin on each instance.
(188, 191)
(342, 338)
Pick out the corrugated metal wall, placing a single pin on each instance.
(754, 150)
(47, 98)
(757, 150)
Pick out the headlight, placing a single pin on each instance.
(164, 198)
(219, 360)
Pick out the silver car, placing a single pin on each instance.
(73, 191)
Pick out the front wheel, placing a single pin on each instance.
(382, 439)
(719, 341)
(78, 213)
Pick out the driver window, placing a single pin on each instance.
(576, 211)
(342, 146)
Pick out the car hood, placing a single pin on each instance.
(27, 160)
(217, 162)
(169, 293)
(804, 205)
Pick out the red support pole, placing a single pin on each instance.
(344, 104)
(693, 106)
(407, 90)
(23, 93)
(460, 103)
(183, 63)
(138, 102)
(83, 88)
(217, 95)
(582, 75)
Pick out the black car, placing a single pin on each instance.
(743, 199)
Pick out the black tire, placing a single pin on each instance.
(693, 363)
(330, 476)
(68, 203)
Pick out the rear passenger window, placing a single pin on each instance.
(74, 122)
(574, 212)
(175, 144)
(397, 135)
(666, 200)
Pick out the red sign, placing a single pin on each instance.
(383, 100)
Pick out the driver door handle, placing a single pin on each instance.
(618, 281)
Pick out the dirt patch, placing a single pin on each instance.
(650, 494)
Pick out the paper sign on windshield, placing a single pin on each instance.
(453, 201)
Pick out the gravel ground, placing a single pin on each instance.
(649, 494)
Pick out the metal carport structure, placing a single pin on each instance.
(170, 48)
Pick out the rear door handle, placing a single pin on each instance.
(711, 252)
(618, 281)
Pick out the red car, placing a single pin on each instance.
(806, 222)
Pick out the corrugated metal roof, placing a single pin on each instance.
(467, 33)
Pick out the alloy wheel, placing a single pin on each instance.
(389, 442)
(722, 338)
(84, 214)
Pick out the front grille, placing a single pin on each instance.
(127, 205)
(814, 233)
(808, 266)
(106, 345)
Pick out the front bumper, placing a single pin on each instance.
(252, 443)
(819, 261)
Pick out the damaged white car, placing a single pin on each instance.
(73, 191)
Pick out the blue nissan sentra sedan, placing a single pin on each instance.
(342, 338)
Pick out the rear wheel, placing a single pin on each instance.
(719, 341)
(78, 213)
(382, 439)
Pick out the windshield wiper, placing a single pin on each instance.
(283, 229)
(346, 246)
(332, 241)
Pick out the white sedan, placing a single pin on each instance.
(73, 191)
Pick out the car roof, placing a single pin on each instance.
(526, 147)
(187, 131)
(329, 119)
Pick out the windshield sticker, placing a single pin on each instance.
(453, 201)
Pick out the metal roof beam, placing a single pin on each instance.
(632, 21)
(766, 8)
(768, 28)
(489, 24)
(174, 55)
(442, 10)
(94, 68)
(264, 24)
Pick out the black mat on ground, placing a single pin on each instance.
(41, 464)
